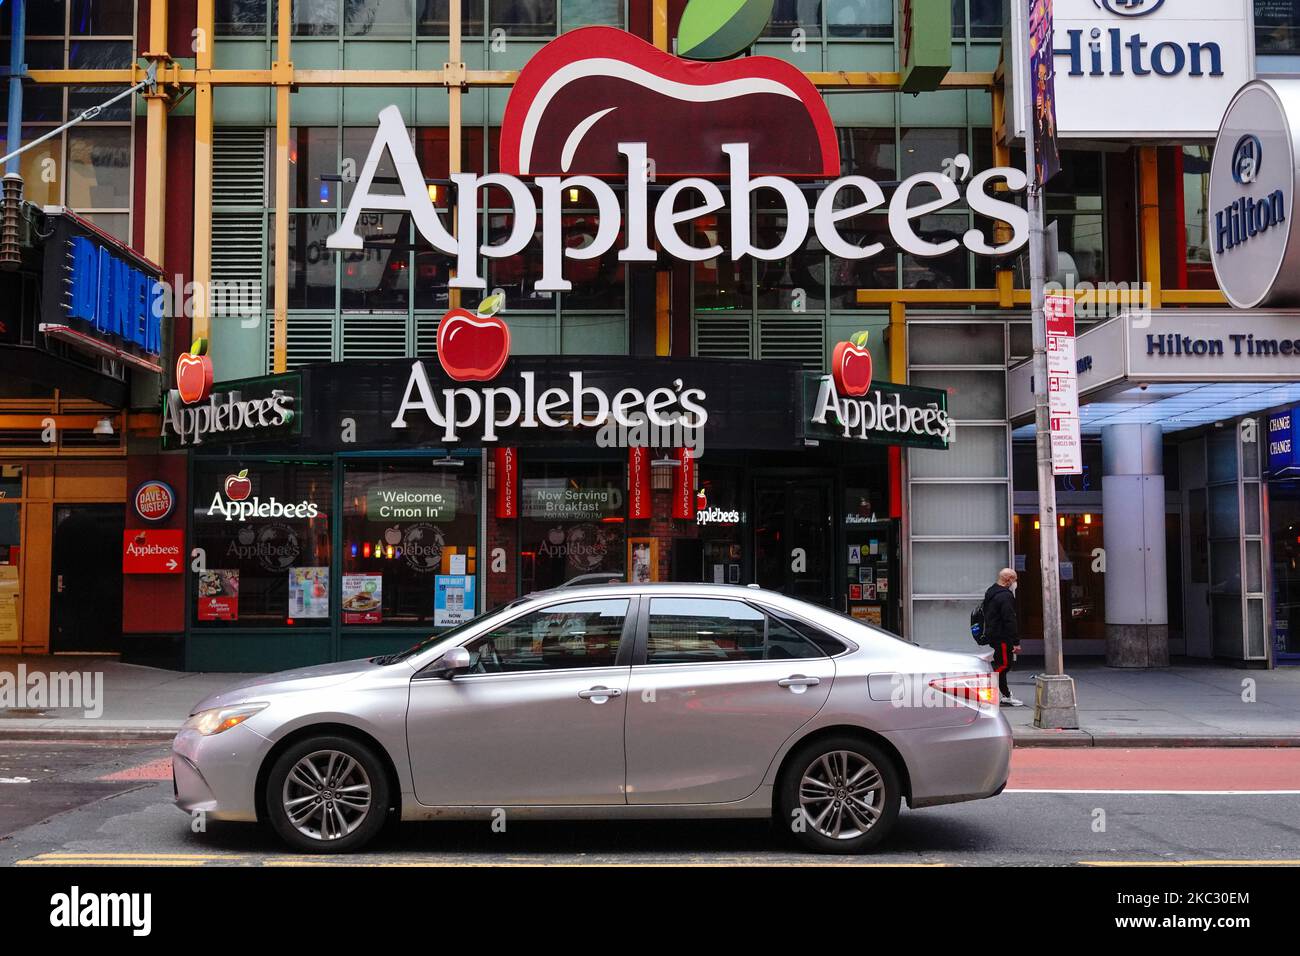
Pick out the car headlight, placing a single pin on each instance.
(218, 719)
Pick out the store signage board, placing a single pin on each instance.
(885, 414)
(153, 551)
(1283, 451)
(154, 500)
(754, 123)
(1253, 182)
(266, 408)
(1120, 63)
(557, 500)
(99, 295)
(1063, 386)
(453, 599)
(411, 502)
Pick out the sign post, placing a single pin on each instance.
(1055, 703)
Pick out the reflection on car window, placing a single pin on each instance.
(704, 630)
(562, 636)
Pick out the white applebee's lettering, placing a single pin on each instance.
(877, 412)
(452, 409)
(257, 508)
(225, 412)
(671, 211)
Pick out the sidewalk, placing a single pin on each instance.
(1192, 703)
(1189, 704)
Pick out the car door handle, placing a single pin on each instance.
(799, 681)
(600, 694)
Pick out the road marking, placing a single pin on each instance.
(1162, 793)
(1189, 862)
(15, 780)
(181, 859)
(160, 769)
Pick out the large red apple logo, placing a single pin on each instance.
(473, 347)
(590, 89)
(239, 487)
(851, 366)
(194, 373)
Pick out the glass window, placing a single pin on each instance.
(404, 523)
(99, 17)
(985, 19)
(571, 523)
(99, 167)
(866, 152)
(709, 631)
(880, 271)
(11, 526)
(860, 18)
(791, 15)
(581, 13)
(924, 150)
(264, 529)
(41, 103)
(311, 264)
(560, 637)
(312, 17)
(48, 18)
(597, 283)
(950, 271)
(958, 18)
(378, 17)
(99, 55)
(530, 18)
(313, 154)
(431, 17)
(240, 17)
(11, 481)
(1276, 23)
(377, 277)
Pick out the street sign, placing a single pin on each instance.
(1063, 386)
(153, 551)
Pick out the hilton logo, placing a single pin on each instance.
(1129, 8)
(1246, 160)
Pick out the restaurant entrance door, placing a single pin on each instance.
(794, 538)
(86, 578)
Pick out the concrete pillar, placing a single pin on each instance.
(1133, 505)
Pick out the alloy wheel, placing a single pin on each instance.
(842, 795)
(326, 795)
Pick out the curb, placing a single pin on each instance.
(90, 734)
(1149, 741)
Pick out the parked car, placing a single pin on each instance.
(627, 701)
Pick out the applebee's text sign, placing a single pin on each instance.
(887, 414)
(246, 410)
(1063, 386)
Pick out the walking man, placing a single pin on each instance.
(1001, 628)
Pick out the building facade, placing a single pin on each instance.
(229, 179)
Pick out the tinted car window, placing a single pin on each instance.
(559, 637)
(708, 630)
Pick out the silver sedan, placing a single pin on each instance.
(608, 701)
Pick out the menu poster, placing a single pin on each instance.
(453, 599)
(219, 595)
(867, 614)
(309, 592)
(855, 592)
(882, 585)
(363, 599)
(8, 604)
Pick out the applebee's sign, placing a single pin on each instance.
(237, 506)
(243, 410)
(767, 108)
(884, 412)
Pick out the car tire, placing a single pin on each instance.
(816, 793)
(315, 793)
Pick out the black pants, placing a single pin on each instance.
(1002, 664)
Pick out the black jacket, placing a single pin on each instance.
(1000, 624)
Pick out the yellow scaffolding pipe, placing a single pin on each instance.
(155, 157)
(202, 270)
(283, 70)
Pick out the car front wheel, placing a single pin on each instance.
(327, 795)
(840, 795)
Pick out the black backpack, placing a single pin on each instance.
(977, 623)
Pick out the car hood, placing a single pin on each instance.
(287, 682)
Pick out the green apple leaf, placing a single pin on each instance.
(860, 339)
(200, 347)
(719, 29)
(492, 304)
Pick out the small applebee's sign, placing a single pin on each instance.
(244, 410)
(884, 413)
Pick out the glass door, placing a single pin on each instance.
(794, 537)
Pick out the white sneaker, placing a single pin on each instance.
(1013, 701)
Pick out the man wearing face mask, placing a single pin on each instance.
(1001, 629)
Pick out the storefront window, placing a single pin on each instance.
(239, 17)
(859, 18)
(264, 530)
(11, 478)
(404, 524)
(11, 523)
(1277, 23)
(722, 522)
(571, 523)
(1083, 582)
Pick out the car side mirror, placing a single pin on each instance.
(455, 660)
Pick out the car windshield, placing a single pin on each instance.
(441, 636)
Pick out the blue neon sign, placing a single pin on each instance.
(113, 296)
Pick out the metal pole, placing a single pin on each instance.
(1055, 704)
(17, 67)
(89, 114)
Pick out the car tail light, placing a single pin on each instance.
(979, 689)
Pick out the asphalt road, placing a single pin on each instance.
(110, 804)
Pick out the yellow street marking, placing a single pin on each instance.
(1189, 862)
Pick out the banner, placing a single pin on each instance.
(638, 483)
(1042, 85)
(1063, 386)
(684, 485)
(507, 478)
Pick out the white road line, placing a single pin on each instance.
(1187, 793)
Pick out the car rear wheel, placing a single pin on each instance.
(327, 795)
(840, 795)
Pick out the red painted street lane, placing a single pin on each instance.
(160, 769)
(1177, 768)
